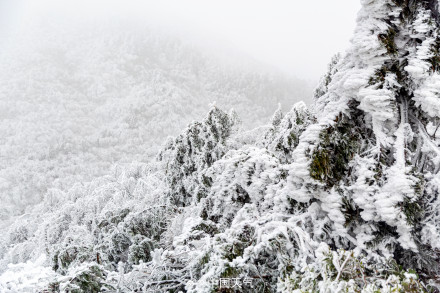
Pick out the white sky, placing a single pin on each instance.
(297, 36)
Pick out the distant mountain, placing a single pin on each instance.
(75, 101)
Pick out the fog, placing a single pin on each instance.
(297, 37)
(82, 63)
(85, 86)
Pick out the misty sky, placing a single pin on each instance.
(296, 36)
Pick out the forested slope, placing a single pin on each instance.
(75, 100)
(340, 198)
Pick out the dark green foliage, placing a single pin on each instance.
(398, 270)
(203, 188)
(351, 211)
(425, 262)
(246, 234)
(244, 238)
(435, 59)
(296, 207)
(207, 181)
(63, 258)
(320, 168)
(204, 260)
(240, 195)
(292, 140)
(233, 250)
(407, 11)
(208, 227)
(90, 280)
(119, 217)
(210, 211)
(387, 40)
(140, 250)
(150, 223)
(55, 264)
(205, 213)
(54, 287)
(413, 211)
(230, 272)
(283, 137)
(395, 68)
(120, 242)
(338, 144)
(399, 2)
(197, 148)
(382, 234)
(112, 219)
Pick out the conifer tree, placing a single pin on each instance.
(198, 147)
(370, 156)
(326, 79)
(283, 135)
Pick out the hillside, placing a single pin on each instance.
(342, 196)
(76, 100)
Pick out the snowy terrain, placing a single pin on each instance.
(75, 105)
(76, 101)
(338, 196)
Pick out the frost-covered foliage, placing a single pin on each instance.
(196, 149)
(73, 102)
(285, 130)
(344, 198)
(343, 271)
(323, 85)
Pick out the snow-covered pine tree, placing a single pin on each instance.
(326, 79)
(355, 195)
(198, 147)
(373, 154)
(283, 134)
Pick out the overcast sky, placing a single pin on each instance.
(296, 36)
